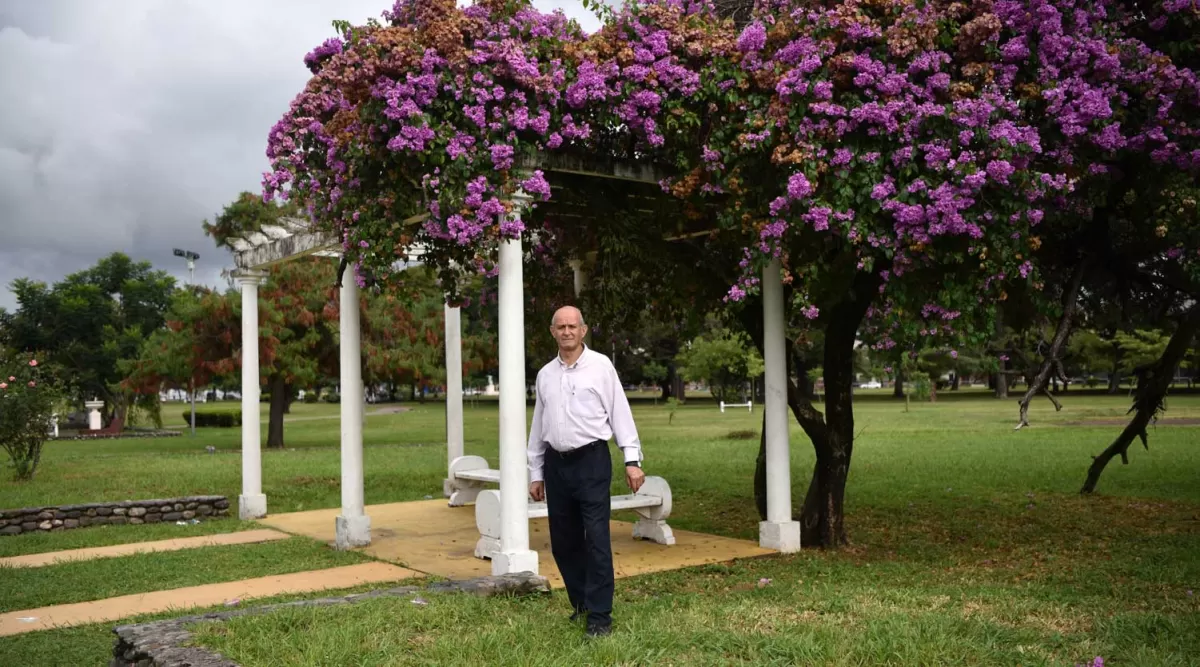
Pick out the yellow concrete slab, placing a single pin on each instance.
(428, 536)
(208, 595)
(113, 551)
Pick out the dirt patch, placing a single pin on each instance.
(389, 410)
(1168, 421)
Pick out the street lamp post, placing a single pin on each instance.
(191, 258)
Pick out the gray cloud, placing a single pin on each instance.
(124, 124)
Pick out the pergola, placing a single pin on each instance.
(296, 238)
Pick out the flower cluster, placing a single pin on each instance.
(926, 144)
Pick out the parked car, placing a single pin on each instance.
(873, 384)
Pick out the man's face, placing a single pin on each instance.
(568, 330)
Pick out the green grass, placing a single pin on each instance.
(969, 543)
(27, 588)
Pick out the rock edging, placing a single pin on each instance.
(52, 518)
(162, 643)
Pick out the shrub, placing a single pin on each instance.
(27, 400)
(215, 419)
(311, 397)
(332, 397)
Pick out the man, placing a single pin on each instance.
(581, 405)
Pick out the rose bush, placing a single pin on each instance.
(27, 401)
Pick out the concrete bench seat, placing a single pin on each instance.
(469, 475)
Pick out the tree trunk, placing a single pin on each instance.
(1052, 364)
(1114, 378)
(278, 403)
(1152, 386)
(954, 383)
(804, 383)
(898, 388)
(678, 390)
(760, 472)
(289, 395)
(822, 518)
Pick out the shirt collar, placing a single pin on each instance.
(578, 362)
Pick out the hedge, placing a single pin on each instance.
(214, 419)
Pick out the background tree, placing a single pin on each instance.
(196, 348)
(87, 324)
(724, 360)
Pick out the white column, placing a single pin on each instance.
(252, 504)
(454, 395)
(778, 531)
(514, 555)
(353, 526)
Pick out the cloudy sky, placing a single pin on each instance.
(125, 123)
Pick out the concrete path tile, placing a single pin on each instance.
(113, 551)
(208, 595)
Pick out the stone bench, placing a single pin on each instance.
(470, 474)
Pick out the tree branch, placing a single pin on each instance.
(1154, 380)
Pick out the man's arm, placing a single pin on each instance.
(621, 419)
(536, 451)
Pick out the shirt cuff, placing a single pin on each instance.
(536, 476)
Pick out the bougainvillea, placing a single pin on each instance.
(919, 135)
(903, 160)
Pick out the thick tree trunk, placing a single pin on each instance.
(275, 421)
(1052, 364)
(289, 394)
(954, 383)
(1152, 386)
(898, 389)
(822, 518)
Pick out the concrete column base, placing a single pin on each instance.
(514, 562)
(253, 506)
(353, 531)
(783, 536)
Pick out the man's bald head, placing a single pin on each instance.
(568, 329)
(571, 313)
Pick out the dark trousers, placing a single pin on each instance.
(577, 501)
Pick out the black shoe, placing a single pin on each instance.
(579, 615)
(598, 630)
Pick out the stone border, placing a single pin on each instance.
(115, 436)
(66, 517)
(163, 643)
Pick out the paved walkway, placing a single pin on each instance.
(208, 595)
(428, 536)
(222, 539)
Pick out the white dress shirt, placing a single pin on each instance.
(577, 405)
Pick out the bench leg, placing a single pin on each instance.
(486, 547)
(464, 493)
(655, 530)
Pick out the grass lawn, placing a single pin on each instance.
(970, 544)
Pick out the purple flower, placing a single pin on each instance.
(753, 38)
(537, 185)
(798, 186)
(502, 156)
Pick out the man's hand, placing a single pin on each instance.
(634, 477)
(537, 491)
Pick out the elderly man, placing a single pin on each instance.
(580, 405)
